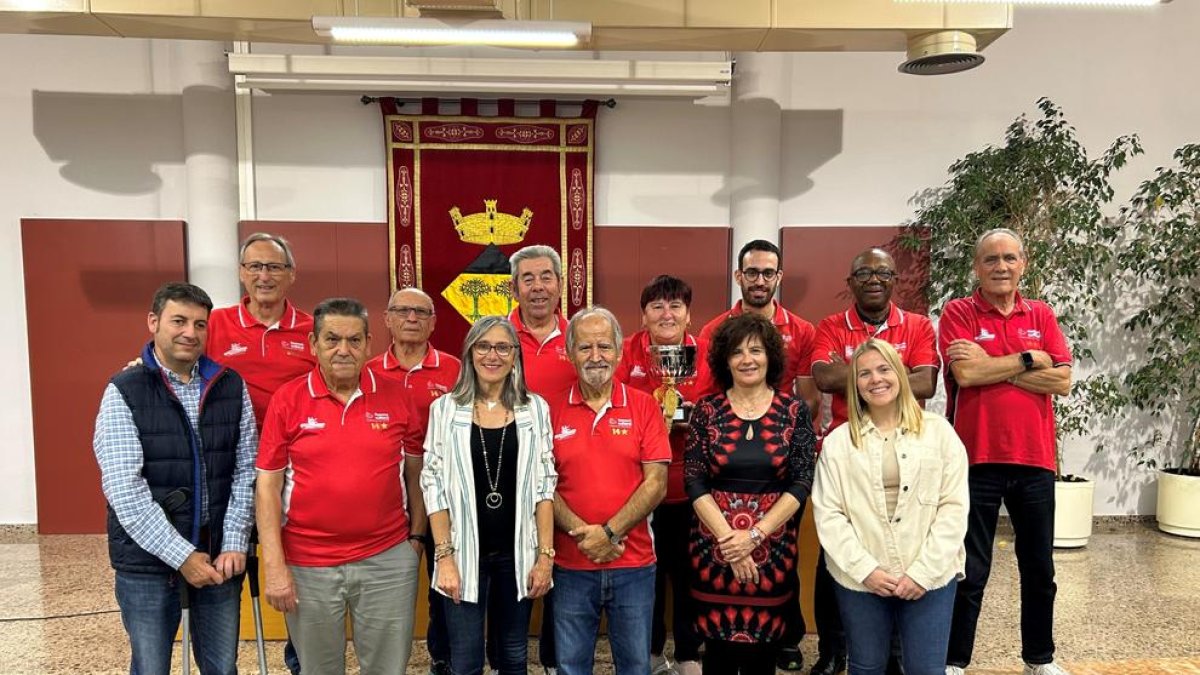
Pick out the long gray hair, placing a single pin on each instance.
(513, 393)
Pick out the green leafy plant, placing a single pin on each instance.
(1042, 183)
(1158, 268)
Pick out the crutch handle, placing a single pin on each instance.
(252, 573)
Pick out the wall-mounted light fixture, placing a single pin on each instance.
(426, 32)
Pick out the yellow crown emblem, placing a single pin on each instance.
(491, 226)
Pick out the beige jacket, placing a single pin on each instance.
(924, 537)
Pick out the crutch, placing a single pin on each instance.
(170, 504)
(252, 574)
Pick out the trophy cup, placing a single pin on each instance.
(674, 365)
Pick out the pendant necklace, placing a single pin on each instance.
(493, 498)
(748, 409)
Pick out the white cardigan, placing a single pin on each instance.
(924, 536)
(448, 484)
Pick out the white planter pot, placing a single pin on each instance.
(1179, 504)
(1073, 513)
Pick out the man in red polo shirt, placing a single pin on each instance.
(264, 337)
(873, 315)
(611, 452)
(1005, 358)
(338, 493)
(758, 275)
(426, 373)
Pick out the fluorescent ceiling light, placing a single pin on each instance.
(436, 33)
(1072, 3)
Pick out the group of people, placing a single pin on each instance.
(539, 464)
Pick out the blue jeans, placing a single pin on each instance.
(924, 627)
(508, 621)
(625, 595)
(1028, 492)
(150, 611)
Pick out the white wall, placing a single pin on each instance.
(93, 129)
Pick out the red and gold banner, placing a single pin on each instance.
(466, 191)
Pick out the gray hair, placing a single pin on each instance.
(587, 313)
(274, 239)
(340, 307)
(533, 252)
(412, 289)
(997, 231)
(513, 393)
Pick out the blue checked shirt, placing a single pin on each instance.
(119, 454)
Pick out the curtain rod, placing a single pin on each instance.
(607, 103)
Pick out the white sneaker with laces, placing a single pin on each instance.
(955, 670)
(659, 664)
(1051, 668)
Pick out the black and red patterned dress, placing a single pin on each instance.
(746, 466)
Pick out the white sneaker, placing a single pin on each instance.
(659, 664)
(688, 668)
(955, 670)
(1051, 668)
(550, 671)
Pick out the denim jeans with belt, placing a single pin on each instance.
(626, 596)
(507, 619)
(150, 611)
(1028, 492)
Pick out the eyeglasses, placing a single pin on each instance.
(403, 312)
(753, 273)
(501, 348)
(863, 275)
(271, 268)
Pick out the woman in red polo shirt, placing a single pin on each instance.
(748, 468)
(488, 483)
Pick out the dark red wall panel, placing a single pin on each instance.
(88, 286)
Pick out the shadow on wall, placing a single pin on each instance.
(110, 142)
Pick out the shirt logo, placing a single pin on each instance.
(849, 352)
(564, 433)
(984, 335)
(312, 424)
(786, 337)
(900, 346)
(293, 345)
(1030, 334)
(438, 389)
(637, 371)
(236, 349)
(378, 417)
(620, 423)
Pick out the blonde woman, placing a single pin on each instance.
(488, 483)
(890, 500)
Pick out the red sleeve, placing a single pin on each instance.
(956, 323)
(1053, 341)
(804, 337)
(273, 442)
(705, 382)
(825, 341)
(922, 346)
(414, 435)
(656, 446)
(623, 368)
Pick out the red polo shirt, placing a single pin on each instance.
(911, 334)
(548, 367)
(433, 376)
(797, 337)
(343, 497)
(599, 457)
(1002, 423)
(265, 356)
(635, 371)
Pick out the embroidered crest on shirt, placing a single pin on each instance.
(1029, 334)
(564, 433)
(985, 335)
(293, 345)
(637, 371)
(236, 349)
(620, 423)
(900, 346)
(312, 424)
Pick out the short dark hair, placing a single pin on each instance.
(730, 335)
(180, 291)
(339, 307)
(759, 245)
(666, 287)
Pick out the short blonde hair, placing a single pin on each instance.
(911, 415)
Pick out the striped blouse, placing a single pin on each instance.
(448, 483)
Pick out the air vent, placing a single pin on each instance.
(941, 53)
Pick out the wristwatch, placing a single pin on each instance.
(547, 551)
(1027, 360)
(613, 538)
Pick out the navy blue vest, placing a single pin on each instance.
(171, 454)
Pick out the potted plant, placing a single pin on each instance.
(1042, 183)
(1159, 271)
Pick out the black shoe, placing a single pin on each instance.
(439, 668)
(790, 658)
(829, 665)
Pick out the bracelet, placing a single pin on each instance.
(443, 553)
(756, 535)
(423, 538)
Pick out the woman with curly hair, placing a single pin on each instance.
(748, 468)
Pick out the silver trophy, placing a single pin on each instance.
(674, 365)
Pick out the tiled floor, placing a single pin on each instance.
(1128, 604)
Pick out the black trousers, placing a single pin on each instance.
(1028, 492)
(736, 658)
(672, 525)
(831, 638)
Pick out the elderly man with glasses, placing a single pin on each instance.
(426, 374)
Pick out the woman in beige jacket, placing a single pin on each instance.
(890, 501)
